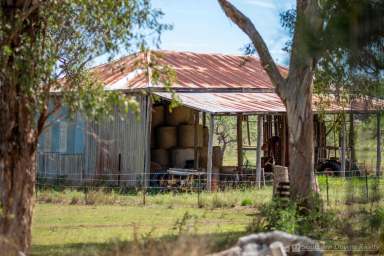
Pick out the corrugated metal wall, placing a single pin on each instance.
(108, 150)
(124, 135)
(61, 147)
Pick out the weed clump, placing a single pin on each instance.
(288, 217)
(246, 202)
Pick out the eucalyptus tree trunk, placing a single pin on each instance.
(17, 201)
(17, 169)
(18, 129)
(300, 130)
(295, 90)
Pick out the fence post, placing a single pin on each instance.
(119, 169)
(85, 193)
(144, 188)
(198, 192)
(258, 151)
(366, 184)
(327, 188)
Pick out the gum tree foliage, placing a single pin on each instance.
(352, 61)
(320, 29)
(46, 46)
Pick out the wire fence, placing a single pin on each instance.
(355, 188)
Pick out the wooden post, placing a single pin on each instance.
(260, 121)
(196, 138)
(204, 119)
(210, 151)
(342, 148)
(378, 144)
(248, 132)
(352, 141)
(119, 169)
(239, 141)
(147, 147)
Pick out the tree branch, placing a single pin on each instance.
(245, 24)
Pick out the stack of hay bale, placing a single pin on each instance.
(173, 138)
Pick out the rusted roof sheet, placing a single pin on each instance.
(126, 73)
(229, 103)
(193, 71)
(258, 103)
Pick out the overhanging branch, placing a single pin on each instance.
(245, 24)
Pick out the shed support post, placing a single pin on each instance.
(260, 121)
(196, 138)
(378, 144)
(352, 141)
(147, 148)
(342, 148)
(204, 119)
(210, 151)
(239, 141)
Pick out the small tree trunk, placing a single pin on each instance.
(17, 189)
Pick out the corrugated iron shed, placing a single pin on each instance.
(261, 103)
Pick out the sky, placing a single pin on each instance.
(201, 26)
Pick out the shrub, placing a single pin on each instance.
(246, 202)
(75, 200)
(376, 220)
(219, 201)
(288, 217)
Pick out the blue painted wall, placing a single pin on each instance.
(74, 129)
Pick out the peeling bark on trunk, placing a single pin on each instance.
(300, 129)
(18, 142)
(19, 131)
(17, 189)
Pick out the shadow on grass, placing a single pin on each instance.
(189, 244)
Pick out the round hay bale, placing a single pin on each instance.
(179, 115)
(157, 116)
(187, 136)
(160, 156)
(179, 156)
(166, 137)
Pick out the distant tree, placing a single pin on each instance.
(224, 131)
(319, 29)
(45, 47)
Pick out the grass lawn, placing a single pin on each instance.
(64, 229)
(60, 228)
(71, 223)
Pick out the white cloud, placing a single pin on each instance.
(262, 3)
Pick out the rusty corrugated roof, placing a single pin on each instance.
(230, 102)
(215, 83)
(193, 71)
(258, 103)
